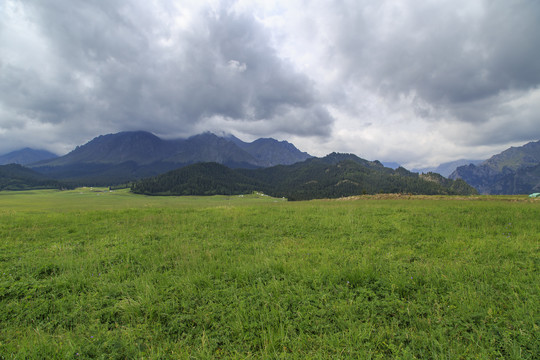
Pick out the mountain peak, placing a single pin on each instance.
(206, 134)
(270, 152)
(335, 157)
(26, 156)
(137, 134)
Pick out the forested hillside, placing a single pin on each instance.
(17, 177)
(336, 175)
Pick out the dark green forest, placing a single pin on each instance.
(18, 177)
(336, 175)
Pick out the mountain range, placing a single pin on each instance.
(513, 171)
(127, 156)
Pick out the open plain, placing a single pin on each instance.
(93, 273)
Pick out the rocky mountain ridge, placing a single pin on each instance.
(127, 156)
(513, 171)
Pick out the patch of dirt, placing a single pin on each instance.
(511, 198)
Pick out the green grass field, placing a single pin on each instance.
(89, 274)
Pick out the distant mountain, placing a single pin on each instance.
(335, 175)
(17, 177)
(513, 171)
(26, 156)
(138, 146)
(208, 147)
(269, 152)
(391, 164)
(127, 156)
(447, 168)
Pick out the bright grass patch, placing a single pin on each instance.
(96, 274)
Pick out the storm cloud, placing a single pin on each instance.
(414, 82)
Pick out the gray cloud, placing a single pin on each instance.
(116, 66)
(450, 75)
(443, 55)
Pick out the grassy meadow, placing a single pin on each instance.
(93, 274)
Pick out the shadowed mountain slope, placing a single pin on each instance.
(26, 156)
(127, 156)
(513, 171)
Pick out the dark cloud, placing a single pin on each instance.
(442, 55)
(117, 66)
(452, 76)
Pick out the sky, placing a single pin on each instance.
(415, 82)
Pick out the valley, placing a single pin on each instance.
(148, 164)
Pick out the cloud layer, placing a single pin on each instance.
(418, 83)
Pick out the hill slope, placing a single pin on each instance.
(336, 175)
(17, 177)
(199, 179)
(513, 171)
(208, 147)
